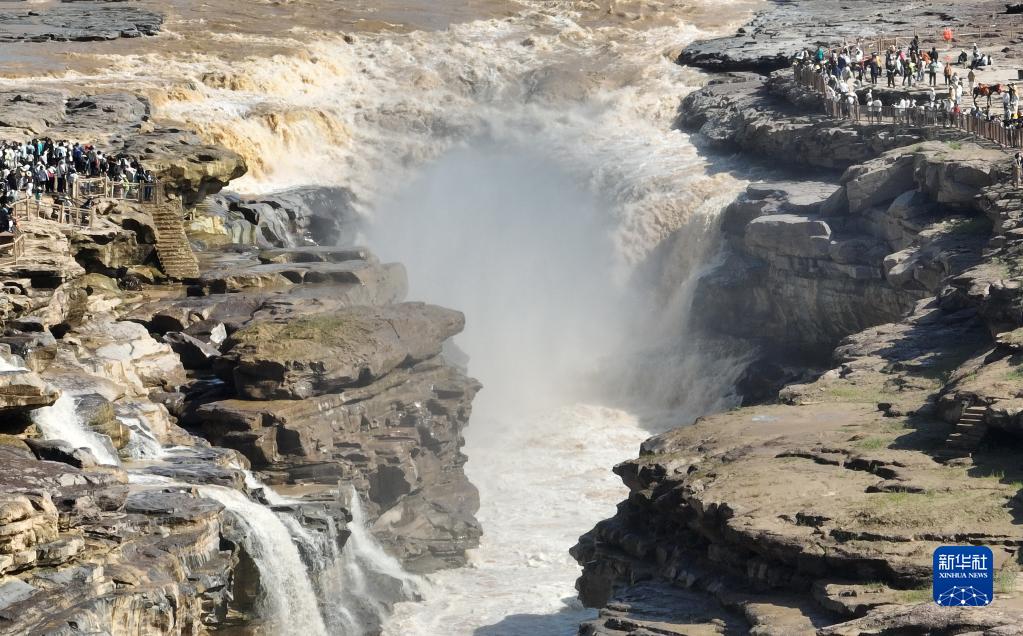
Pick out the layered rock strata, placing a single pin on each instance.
(892, 275)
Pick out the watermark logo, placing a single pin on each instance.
(964, 576)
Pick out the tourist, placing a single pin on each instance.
(948, 74)
(932, 71)
(1017, 169)
(908, 73)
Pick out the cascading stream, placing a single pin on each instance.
(358, 585)
(62, 422)
(288, 598)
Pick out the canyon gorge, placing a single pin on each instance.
(501, 318)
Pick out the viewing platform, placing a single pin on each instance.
(78, 209)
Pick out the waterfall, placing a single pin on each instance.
(8, 367)
(358, 585)
(300, 570)
(62, 422)
(288, 599)
(254, 484)
(322, 553)
(142, 444)
(364, 554)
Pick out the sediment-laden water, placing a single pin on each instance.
(520, 159)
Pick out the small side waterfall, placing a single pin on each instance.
(7, 367)
(62, 422)
(367, 555)
(289, 600)
(373, 580)
(357, 586)
(143, 444)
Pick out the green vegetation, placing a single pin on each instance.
(873, 443)
(955, 145)
(913, 597)
(304, 338)
(849, 392)
(1005, 580)
(871, 393)
(931, 509)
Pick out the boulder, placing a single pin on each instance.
(184, 163)
(97, 413)
(61, 451)
(317, 354)
(878, 181)
(790, 235)
(22, 390)
(194, 353)
(126, 353)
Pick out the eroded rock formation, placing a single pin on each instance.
(890, 278)
(131, 409)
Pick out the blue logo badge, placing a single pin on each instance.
(964, 576)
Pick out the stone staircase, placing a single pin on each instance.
(967, 434)
(176, 256)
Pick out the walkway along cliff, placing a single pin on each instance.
(877, 275)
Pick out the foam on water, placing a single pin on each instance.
(368, 115)
(8, 367)
(536, 501)
(288, 598)
(62, 422)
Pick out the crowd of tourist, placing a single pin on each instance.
(846, 76)
(41, 167)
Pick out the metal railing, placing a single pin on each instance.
(119, 190)
(841, 107)
(66, 213)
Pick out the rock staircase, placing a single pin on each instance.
(967, 434)
(176, 256)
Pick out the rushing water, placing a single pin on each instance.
(63, 422)
(525, 169)
(287, 595)
(356, 586)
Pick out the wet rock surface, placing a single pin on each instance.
(78, 21)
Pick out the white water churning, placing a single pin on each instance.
(62, 422)
(288, 599)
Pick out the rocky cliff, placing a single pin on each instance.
(173, 453)
(875, 273)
